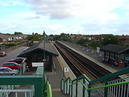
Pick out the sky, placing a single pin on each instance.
(65, 16)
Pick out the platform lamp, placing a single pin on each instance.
(44, 38)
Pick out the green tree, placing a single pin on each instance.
(35, 37)
(18, 33)
(65, 37)
(54, 37)
(94, 44)
(109, 39)
(82, 41)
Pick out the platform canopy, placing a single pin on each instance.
(118, 49)
(39, 48)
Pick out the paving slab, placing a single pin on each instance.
(54, 78)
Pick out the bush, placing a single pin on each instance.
(13, 44)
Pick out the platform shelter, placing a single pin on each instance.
(40, 53)
(117, 55)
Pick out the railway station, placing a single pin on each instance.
(64, 48)
(66, 71)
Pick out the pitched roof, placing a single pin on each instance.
(4, 36)
(115, 48)
(48, 48)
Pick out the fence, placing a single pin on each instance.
(17, 93)
(107, 86)
(75, 88)
(25, 85)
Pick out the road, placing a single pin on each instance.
(12, 54)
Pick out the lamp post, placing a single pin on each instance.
(44, 37)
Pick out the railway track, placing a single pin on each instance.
(66, 58)
(79, 64)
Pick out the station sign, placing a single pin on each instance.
(66, 69)
(37, 64)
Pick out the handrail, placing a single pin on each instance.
(49, 90)
(83, 76)
(105, 86)
(109, 85)
(106, 77)
(88, 87)
(67, 84)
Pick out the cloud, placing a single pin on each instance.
(117, 26)
(91, 16)
(61, 9)
(25, 15)
(68, 16)
(54, 8)
(10, 3)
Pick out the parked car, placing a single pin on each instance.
(12, 65)
(18, 60)
(8, 71)
(2, 53)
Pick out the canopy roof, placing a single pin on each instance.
(48, 48)
(115, 48)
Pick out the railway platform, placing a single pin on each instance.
(103, 86)
(80, 50)
(54, 78)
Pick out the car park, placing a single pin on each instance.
(12, 65)
(18, 60)
(2, 53)
(8, 71)
(21, 61)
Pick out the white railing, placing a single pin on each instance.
(113, 90)
(16, 92)
(120, 90)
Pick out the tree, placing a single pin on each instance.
(35, 37)
(65, 37)
(18, 33)
(82, 41)
(110, 39)
(94, 44)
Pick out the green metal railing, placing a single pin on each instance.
(101, 87)
(42, 87)
(109, 85)
(71, 87)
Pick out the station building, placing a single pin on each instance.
(40, 53)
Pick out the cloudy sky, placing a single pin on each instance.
(68, 16)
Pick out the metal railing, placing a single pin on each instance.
(17, 93)
(75, 88)
(115, 88)
(101, 87)
(35, 85)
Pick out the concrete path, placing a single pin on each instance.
(54, 78)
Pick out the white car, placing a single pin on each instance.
(8, 71)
